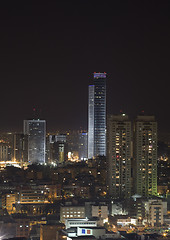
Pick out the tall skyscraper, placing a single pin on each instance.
(36, 131)
(145, 156)
(119, 154)
(97, 116)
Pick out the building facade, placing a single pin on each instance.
(83, 146)
(22, 228)
(156, 213)
(145, 156)
(119, 156)
(58, 149)
(20, 148)
(97, 116)
(5, 152)
(36, 131)
(71, 212)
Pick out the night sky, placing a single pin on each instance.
(49, 50)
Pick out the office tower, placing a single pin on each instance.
(73, 141)
(83, 146)
(145, 156)
(20, 148)
(58, 149)
(36, 131)
(97, 116)
(119, 155)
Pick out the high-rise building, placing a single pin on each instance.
(5, 152)
(36, 131)
(119, 154)
(20, 148)
(58, 152)
(97, 116)
(83, 146)
(145, 156)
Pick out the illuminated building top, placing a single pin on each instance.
(99, 75)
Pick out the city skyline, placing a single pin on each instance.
(85, 133)
(49, 52)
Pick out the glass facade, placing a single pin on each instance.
(36, 131)
(91, 122)
(97, 116)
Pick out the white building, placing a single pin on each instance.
(156, 209)
(117, 209)
(126, 221)
(156, 214)
(83, 222)
(86, 229)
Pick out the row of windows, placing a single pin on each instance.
(71, 216)
(83, 223)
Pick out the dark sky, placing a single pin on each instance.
(49, 50)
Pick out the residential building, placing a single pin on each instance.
(145, 156)
(119, 154)
(156, 213)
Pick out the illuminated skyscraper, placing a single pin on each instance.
(145, 156)
(119, 154)
(97, 116)
(36, 131)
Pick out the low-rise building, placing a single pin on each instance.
(123, 222)
(32, 196)
(50, 231)
(155, 209)
(22, 227)
(86, 229)
(71, 212)
(156, 213)
(8, 202)
(82, 222)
